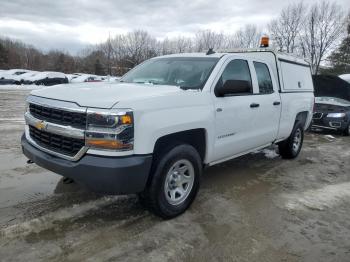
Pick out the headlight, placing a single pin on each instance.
(337, 115)
(110, 129)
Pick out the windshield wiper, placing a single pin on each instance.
(189, 87)
(152, 82)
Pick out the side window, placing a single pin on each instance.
(236, 70)
(264, 78)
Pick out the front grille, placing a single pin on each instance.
(58, 116)
(57, 143)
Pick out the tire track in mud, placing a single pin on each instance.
(45, 222)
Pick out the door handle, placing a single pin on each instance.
(276, 103)
(252, 105)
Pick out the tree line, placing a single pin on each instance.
(316, 32)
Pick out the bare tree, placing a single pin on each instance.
(178, 44)
(246, 37)
(323, 26)
(285, 29)
(139, 46)
(206, 39)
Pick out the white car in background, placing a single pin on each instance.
(87, 78)
(111, 78)
(72, 76)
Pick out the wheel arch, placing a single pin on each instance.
(194, 137)
(302, 117)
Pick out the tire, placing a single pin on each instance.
(346, 131)
(290, 148)
(179, 168)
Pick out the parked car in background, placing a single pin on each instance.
(72, 76)
(17, 79)
(111, 78)
(8, 74)
(87, 78)
(332, 104)
(47, 79)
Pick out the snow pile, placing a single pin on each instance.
(269, 152)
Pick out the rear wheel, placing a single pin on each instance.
(291, 147)
(175, 182)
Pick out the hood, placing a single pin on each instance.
(331, 86)
(332, 101)
(103, 95)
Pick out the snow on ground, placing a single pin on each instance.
(319, 199)
(269, 152)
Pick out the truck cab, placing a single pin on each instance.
(154, 131)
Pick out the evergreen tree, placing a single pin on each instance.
(98, 67)
(340, 58)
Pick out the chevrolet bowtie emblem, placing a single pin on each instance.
(40, 125)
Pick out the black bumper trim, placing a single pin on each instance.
(109, 175)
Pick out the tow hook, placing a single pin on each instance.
(29, 161)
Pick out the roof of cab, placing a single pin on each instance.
(220, 53)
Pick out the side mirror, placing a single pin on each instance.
(232, 87)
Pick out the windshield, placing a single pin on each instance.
(332, 99)
(186, 72)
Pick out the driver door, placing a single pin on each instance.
(234, 113)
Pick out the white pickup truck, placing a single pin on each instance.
(154, 131)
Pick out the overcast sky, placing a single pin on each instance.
(72, 24)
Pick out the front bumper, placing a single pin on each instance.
(330, 123)
(102, 174)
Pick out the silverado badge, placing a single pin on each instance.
(41, 125)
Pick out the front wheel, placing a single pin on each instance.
(291, 147)
(174, 183)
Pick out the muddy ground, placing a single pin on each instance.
(255, 208)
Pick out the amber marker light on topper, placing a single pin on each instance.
(264, 42)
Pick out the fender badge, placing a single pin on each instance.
(41, 125)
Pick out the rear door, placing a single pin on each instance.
(267, 116)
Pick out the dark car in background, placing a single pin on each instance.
(47, 79)
(332, 104)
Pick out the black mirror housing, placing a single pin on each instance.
(234, 87)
